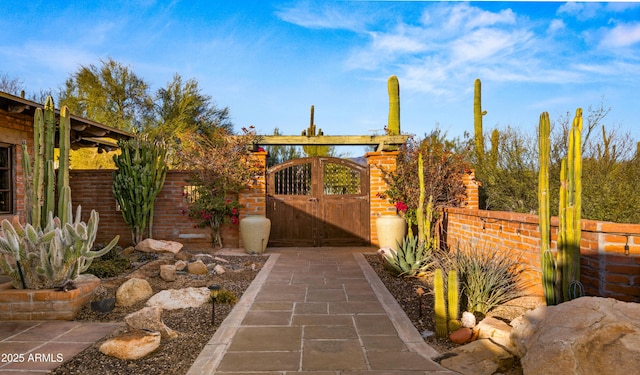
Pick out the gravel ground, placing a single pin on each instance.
(194, 324)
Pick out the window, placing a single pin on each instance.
(6, 179)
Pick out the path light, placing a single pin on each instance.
(213, 291)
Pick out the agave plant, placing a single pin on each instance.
(413, 258)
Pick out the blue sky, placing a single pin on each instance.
(269, 61)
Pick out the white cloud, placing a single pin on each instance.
(622, 35)
(582, 11)
(320, 16)
(556, 25)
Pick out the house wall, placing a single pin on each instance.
(14, 128)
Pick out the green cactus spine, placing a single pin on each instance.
(477, 121)
(439, 307)
(453, 298)
(393, 87)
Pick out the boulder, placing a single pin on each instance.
(133, 291)
(150, 245)
(495, 330)
(184, 256)
(150, 318)
(168, 272)
(172, 299)
(180, 265)
(131, 345)
(218, 269)
(588, 335)
(197, 268)
(481, 357)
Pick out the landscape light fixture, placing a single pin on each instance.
(213, 291)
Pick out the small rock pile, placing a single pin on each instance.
(145, 328)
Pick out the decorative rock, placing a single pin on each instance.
(103, 306)
(150, 245)
(468, 320)
(133, 291)
(172, 299)
(150, 318)
(481, 357)
(180, 265)
(461, 336)
(197, 268)
(184, 256)
(128, 250)
(168, 272)
(219, 270)
(221, 260)
(132, 345)
(496, 330)
(588, 335)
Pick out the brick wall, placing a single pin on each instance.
(610, 252)
(14, 128)
(379, 162)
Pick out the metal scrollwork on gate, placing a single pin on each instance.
(293, 180)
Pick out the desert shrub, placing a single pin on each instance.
(109, 265)
(488, 277)
(226, 296)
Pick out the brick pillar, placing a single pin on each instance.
(254, 198)
(472, 200)
(379, 161)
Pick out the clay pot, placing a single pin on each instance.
(461, 336)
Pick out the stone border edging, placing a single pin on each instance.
(211, 355)
(406, 330)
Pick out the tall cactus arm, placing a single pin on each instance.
(393, 87)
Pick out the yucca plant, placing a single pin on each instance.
(413, 259)
(488, 278)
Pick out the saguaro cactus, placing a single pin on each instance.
(477, 120)
(547, 259)
(393, 86)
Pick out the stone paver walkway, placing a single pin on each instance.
(37, 347)
(318, 311)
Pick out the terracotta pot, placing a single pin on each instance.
(254, 231)
(391, 230)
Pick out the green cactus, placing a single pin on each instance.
(142, 169)
(561, 274)
(477, 121)
(424, 214)
(48, 249)
(412, 259)
(393, 86)
(453, 300)
(439, 304)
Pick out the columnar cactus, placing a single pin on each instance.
(48, 249)
(453, 302)
(424, 214)
(561, 274)
(393, 126)
(142, 169)
(477, 120)
(439, 307)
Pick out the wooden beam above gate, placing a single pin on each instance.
(382, 142)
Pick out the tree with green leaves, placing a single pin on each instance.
(110, 94)
(182, 106)
(279, 154)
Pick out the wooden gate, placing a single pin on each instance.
(318, 201)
